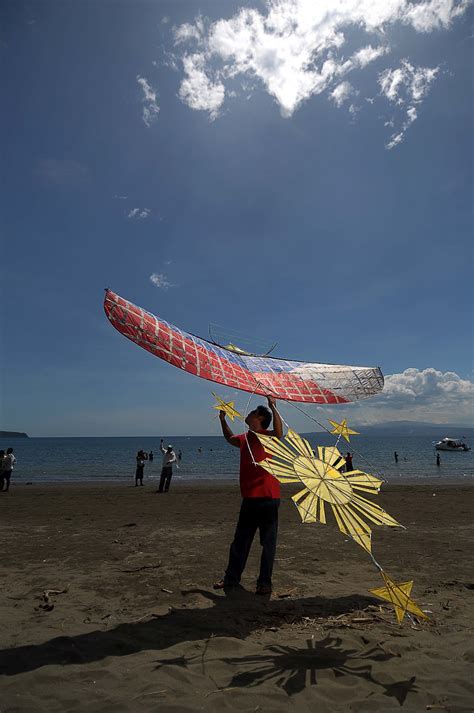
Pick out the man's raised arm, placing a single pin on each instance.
(277, 424)
(226, 432)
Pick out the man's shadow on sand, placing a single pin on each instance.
(235, 615)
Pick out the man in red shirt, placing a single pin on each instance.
(260, 498)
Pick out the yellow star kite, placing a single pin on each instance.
(341, 429)
(294, 461)
(399, 596)
(227, 407)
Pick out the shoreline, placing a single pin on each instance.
(233, 478)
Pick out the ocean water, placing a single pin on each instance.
(94, 459)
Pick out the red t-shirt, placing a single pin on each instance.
(255, 482)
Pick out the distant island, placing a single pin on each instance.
(13, 434)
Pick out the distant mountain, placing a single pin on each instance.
(13, 434)
(416, 428)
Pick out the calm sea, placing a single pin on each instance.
(93, 459)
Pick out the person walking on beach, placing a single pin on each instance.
(348, 462)
(169, 457)
(7, 464)
(141, 458)
(260, 498)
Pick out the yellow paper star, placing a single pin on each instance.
(341, 429)
(227, 407)
(399, 596)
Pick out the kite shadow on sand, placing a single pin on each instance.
(293, 668)
(233, 616)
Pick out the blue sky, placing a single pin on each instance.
(301, 181)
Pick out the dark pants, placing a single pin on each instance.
(255, 514)
(165, 479)
(5, 477)
(139, 474)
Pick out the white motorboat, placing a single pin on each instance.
(451, 444)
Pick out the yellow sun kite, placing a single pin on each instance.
(399, 596)
(341, 429)
(227, 407)
(294, 461)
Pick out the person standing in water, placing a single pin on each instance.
(438, 459)
(395, 455)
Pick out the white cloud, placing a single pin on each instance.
(423, 394)
(150, 107)
(160, 281)
(405, 85)
(342, 93)
(188, 31)
(197, 90)
(139, 213)
(368, 54)
(293, 48)
(435, 14)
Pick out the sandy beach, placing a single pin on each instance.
(107, 605)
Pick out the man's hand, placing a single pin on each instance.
(277, 423)
(222, 415)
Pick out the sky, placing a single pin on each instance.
(298, 171)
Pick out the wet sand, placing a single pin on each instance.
(135, 625)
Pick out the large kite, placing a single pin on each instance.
(289, 380)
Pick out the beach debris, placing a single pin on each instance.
(140, 569)
(130, 524)
(167, 591)
(47, 604)
(287, 594)
(161, 692)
